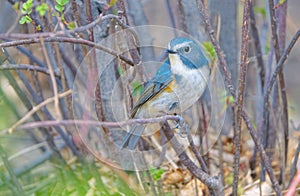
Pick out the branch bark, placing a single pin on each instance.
(240, 95)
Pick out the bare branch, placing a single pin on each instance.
(50, 123)
(257, 45)
(231, 89)
(69, 40)
(58, 33)
(280, 65)
(211, 182)
(53, 81)
(240, 96)
(37, 108)
(28, 68)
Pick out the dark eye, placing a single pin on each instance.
(187, 49)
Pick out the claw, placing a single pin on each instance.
(182, 126)
(179, 123)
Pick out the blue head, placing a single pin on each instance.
(188, 52)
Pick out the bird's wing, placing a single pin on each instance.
(159, 82)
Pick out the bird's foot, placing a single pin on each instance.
(182, 126)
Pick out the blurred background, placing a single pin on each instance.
(43, 160)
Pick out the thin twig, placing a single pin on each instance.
(197, 153)
(282, 22)
(294, 184)
(211, 182)
(37, 108)
(295, 162)
(58, 33)
(276, 46)
(230, 87)
(240, 96)
(76, 13)
(280, 65)
(220, 54)
(37, 100)
(53, 81)
(69, 40)
(51, 123)
(28, 68)
(277, 70)
(171, 16)
(89, 18)
(257, 45)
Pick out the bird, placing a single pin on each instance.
(178, 83)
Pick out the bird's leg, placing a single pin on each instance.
(182, 126)
(180, 122)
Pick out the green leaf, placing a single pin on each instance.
(138, 88)
(62, 2)
(71, 25)
(209, 50)
(27, 7)
(281, 2)
(29, 20)
(42, 9)
(22, 20)
(38, 28)
(112, 3)
(16, 6)
(230, 99)
(156, 173)
(25, 19)
(260, 10)
(267, 48)
(120, 71)
(59, 8)
(24, 11)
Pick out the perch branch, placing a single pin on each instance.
(49, 123)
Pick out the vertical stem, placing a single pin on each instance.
(257, 45)
(231, 89)
(240, 95)
(278, 48)
(53, 81)
(284, 119)
(88, 10)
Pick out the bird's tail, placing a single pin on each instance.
(132, 137)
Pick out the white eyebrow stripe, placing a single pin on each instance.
(181, 45)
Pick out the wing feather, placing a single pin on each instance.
(158, 83)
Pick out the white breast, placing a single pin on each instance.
(185, 93)
(192, 84)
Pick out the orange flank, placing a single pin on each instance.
(170, 87)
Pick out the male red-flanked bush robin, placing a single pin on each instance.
(178, 84)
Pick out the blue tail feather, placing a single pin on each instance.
(132, 137)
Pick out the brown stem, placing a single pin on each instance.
(50, 123)
(211, 182)
(69, 40)
(240, 96)
(231, 89)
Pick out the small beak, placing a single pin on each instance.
(171, 51)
